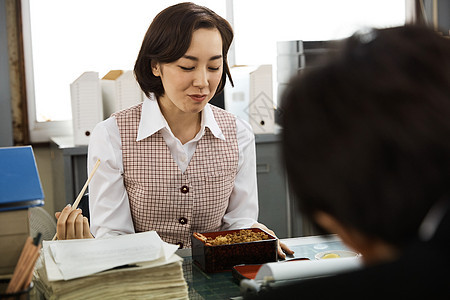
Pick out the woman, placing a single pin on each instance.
(174, 163)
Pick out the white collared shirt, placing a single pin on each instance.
(108, 200)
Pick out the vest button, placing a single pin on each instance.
(180, 245)
(184, 189)
(182, 220)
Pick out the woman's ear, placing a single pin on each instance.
(156, 68)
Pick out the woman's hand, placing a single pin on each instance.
(72, 224)
(282, 248)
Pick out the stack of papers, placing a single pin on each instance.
(137, 266)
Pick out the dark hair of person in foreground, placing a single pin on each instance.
(366, 144)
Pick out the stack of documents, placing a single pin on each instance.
(20, 189)
(134, 266)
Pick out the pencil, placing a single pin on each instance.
(80, 195)
(23, 272)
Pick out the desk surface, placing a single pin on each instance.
(209, 286)
(223, 286)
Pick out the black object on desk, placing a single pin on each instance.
(84, 205)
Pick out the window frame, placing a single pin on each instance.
(39, 132)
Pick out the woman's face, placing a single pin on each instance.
(191, 81)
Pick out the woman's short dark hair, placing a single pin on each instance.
(366, 136)
(169, 37)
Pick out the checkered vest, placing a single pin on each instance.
(164, 199)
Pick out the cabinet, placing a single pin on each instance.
(69, 166)
(275, 206)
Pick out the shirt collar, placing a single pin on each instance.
(152, 120)
(209, 121)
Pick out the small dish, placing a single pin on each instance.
(335, 254)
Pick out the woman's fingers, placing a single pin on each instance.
(286, 249)
(86, 230)
(61, 224)
(280, 251)
(79, 226)
(282, 248)
(71, 224)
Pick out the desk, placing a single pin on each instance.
(223, 286)
(207, 285)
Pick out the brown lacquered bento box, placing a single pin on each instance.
(221, 258)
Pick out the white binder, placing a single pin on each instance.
(120, 90)
(251, 98)
(87, 107)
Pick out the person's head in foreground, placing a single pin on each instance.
(366, 142)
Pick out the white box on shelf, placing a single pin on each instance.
(87, 107)
(120, 90)
(251, 98)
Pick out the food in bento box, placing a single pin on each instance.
(242, 236)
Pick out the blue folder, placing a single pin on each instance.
(20, 185)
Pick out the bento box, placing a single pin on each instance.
(212, 257)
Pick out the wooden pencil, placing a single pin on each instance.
(25, 265)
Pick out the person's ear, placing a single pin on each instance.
(349, 236)
(156, 68)
(327, 222)
(373, 250)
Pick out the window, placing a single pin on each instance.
(257, 31)
(64, 38)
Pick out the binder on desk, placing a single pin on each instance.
(87, 106)
(20, 186)
(251, 97)
(120, 90)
